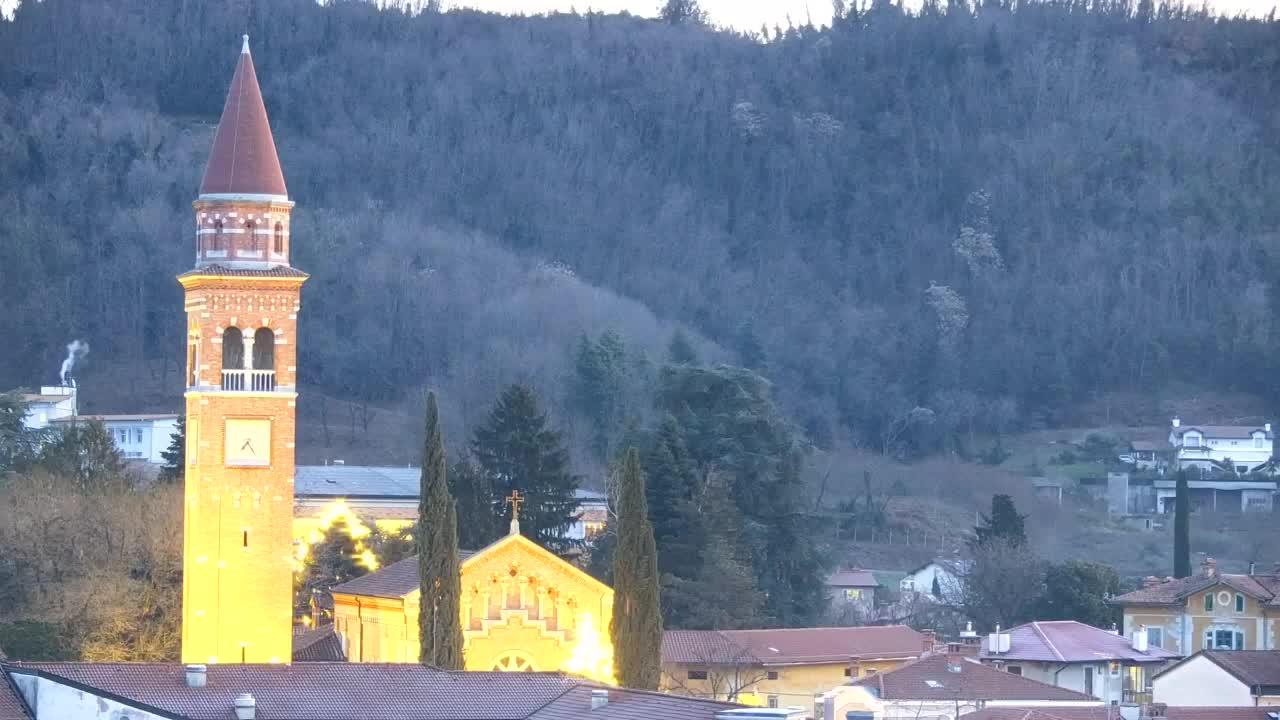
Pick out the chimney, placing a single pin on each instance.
(1266, 427)
(1253, 568)
(246, 707)
(1150, 581)
(197, 676)
(1209, 567)
(930, 639)
(1177, 421)
(599, 698)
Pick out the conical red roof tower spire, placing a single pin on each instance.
(243, 161)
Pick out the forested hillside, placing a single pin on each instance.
(914, 226)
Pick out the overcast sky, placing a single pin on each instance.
(741, 14)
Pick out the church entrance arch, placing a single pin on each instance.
(514, 661)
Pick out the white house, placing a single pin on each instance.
(923, 579)
(1237, 678)
(1244, 448)
(137, 437)
(1080, 657)
(50, 404)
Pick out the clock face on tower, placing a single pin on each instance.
(248, 442)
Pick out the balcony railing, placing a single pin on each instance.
(249, 380)
(1134, 697)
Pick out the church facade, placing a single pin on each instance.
(523, 609)
(242, 299)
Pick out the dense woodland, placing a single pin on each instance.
(917, 226)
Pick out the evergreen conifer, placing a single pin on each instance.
(1004, 523)
(636, 626)
(516, 450)
(175, 455)
(1182, 527)
(439, 616)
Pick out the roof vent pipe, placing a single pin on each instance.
(246, 707)
(197, 676)
(599, 698)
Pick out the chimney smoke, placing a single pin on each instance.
(75, 351)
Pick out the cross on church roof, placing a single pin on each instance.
(515, 499)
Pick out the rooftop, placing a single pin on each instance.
(243, 160)
(1228, 432)
(318, 645)
(393, 581)
(117, 418)
(1113, 713)
(1252, 667)
(1262, 587)
(953, 677)
(1062, 641)
(341, 691)
(12, 706)
(373, 482)
(852, 577)
(791, 646)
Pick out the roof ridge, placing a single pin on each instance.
(1035, 626)
(824, 627)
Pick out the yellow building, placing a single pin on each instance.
(242, 301)
(1206, 611)
(523, 608)
(782, 667)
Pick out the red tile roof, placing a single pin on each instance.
(1071, 641)
(1113, 713)
(318, 645)
(243, 160)
(366, 691)
(852, 578)
(1261, 587)
(943, 677)
(1251, 667)
(396, 580)
(791, 646)
(12, 706)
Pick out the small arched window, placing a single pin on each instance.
(278, 247)
(217, 235)
(252, 242)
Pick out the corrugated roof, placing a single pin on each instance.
(933, 678)
(366, 691)
(791, 646)
(373, 481)
(1071, 641)
(243, 159)
(1113, 713)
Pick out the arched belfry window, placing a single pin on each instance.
(278, 247)
(217, 235)
(232, 349)
(264, 349)
(252, 242)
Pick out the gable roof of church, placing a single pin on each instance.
(243, 160)
(400, 579)
(370, 691)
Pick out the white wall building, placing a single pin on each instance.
(137, 437)
(921, 580)
(1244, 448)
(50, 404)
(1235, 678)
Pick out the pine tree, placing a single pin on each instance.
(473, 496)
(332, 561)
(1004, 523)
(85, 454)
(517, 451)
(1182, 527)
(636, 626)
(175, 460)
(678, 12)
(681, 350)
(789, 562)
(439, 615)
(670, 477)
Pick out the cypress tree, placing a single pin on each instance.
(1182, 528)
(439, 616)
(636, 626)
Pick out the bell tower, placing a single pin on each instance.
(242, 301)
